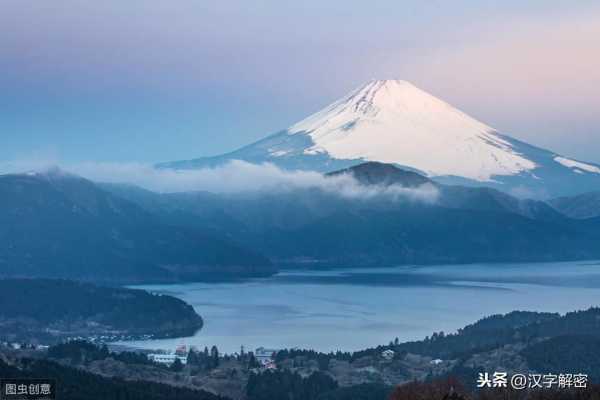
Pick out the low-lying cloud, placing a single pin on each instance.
(233, 177)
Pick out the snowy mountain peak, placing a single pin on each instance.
(390, 94)
(393, 121)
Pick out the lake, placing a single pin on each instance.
(352, 309)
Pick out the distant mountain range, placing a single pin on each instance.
(56, 225)
(586, 205)
(452, 196)
(313, 227)
(394, 122)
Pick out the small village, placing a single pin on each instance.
(387, 365)
(265, 357)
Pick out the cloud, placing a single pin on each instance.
(235, 176)
(347, 186)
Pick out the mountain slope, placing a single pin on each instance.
(376, 173)
(56, 225)
(451, 196)
(394, 122)
(53, 310)
(317, 227)
(586, 205)
(425, 235)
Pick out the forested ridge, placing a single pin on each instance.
(32, 306)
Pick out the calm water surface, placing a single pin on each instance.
(357, 308)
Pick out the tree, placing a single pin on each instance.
(193, 357)
(442, 389)
(104, 351)
(252, 361)
(285, 384)
(214, 356)
(177, 366)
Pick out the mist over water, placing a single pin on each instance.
(358, 308)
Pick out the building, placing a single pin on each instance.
(265, 356)
(270, 365)
(181, 350)
(388, 354)
(167, 359)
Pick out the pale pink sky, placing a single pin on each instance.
(94, 80)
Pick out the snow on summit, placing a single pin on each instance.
(393, 121)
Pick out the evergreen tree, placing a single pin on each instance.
(252, 361)
(193, 357)
(214, 356)
(177, 366)
(284, 384)
(104, 351)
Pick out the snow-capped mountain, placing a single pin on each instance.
(395, 122)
